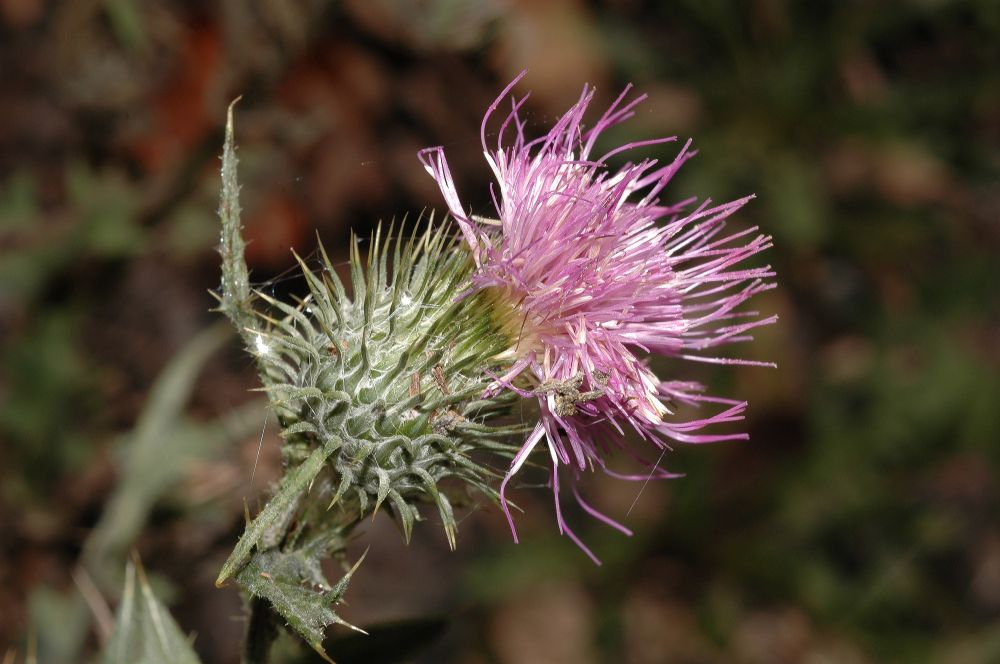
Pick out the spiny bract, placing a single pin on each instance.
(389, 381)
(380, 399)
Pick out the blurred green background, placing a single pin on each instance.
(859, 524)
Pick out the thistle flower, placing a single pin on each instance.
(591, 273)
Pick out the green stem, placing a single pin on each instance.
(262, 630)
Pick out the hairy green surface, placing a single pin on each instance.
(389, 381)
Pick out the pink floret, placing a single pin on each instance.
(601, 274)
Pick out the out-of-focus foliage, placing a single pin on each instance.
(859, 523)
(155, 455)
(144, 631)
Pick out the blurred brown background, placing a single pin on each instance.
(858, 525)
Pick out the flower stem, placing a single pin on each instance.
(262, 630)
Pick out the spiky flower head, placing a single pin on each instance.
(591, 273)
(378, 395)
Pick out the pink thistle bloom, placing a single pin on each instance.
(592, 273)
